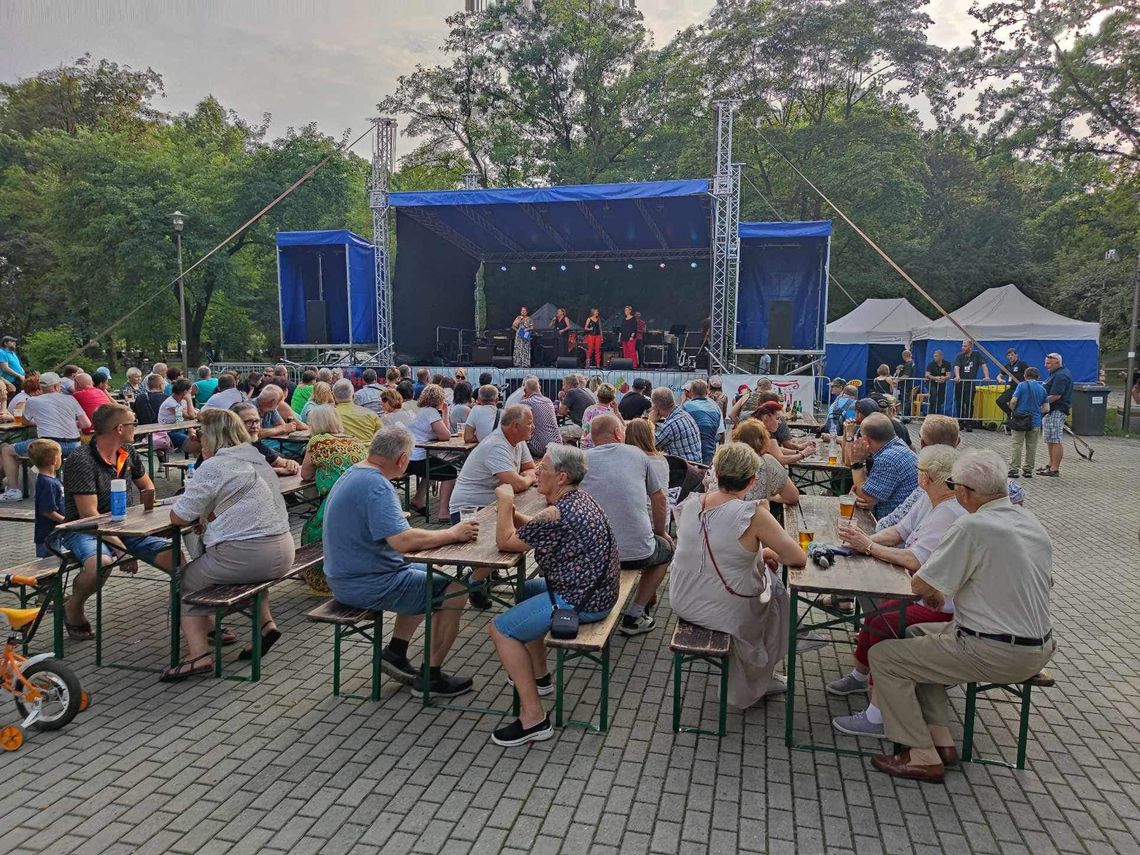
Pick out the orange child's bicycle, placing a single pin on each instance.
(46, 691)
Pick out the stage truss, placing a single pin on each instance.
(725, 241)
(383, 148)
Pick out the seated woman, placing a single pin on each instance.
(577, 552)
(772, 481)
(768, 414)
(606, 406)
(721, 575)
(329, 454)
(395, 413)
(461, 403)
(908, 544)
(431, 424)
(234, 495)
(322, 394)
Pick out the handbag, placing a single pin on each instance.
(1021, 421)
(564, 622)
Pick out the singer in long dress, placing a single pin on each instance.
(719, 579)
(522, 343)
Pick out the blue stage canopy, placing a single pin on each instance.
(782, 295)
(329, 272)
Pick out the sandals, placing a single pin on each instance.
(186, 669)
(268, 639)
(79, 631)
(228, 636)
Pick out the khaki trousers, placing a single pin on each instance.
(912, 674)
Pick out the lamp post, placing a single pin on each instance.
(178, 218)
(1132, 344)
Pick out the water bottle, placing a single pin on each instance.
(118, 499)
(189, 471)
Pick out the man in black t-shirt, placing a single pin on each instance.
(575, 399)
(936, 373)
(905, 373)
(1014, 372)
(87, 476)
(969, 367)
(635, 403)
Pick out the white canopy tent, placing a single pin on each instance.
(875, 332)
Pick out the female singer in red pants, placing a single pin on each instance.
(593, 336)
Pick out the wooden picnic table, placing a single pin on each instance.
(150, 430)
(479, 553)
(17, 515)
(850, 576)
(804, 421)
(817, 472)
(455, 444)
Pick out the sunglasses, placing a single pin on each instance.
(952, 484)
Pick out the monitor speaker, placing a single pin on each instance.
(780, 320)
(566, 362)
(619, 364)
(654, 354)
(654, 338)
(482, 354)
(316, 322)
(503, 361)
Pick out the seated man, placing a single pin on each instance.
(996, 563)
(675, 431)
(273, 423)
(707, 415)
(545, 419)
(894, 476)
(369, 394)
(575, 399)
(907, 544)
(56, 416)
(357, 421)
(366, 537)
(227, 394)
(146, 405)
(87, 476)
(251, 418)
(502, 458)
(88, 395)
(632, 492)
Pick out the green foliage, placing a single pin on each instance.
(46, 349)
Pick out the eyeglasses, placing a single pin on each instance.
(129, 424)
(952, 484)
(251, 422)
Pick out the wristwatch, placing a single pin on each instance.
(859, 464)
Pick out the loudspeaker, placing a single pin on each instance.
(503, 361)
(482, 354)
(619, 364)
(654, 354)
(566, 362)
(654, 338)
(316, 322)
(502, 344)
(780, 324)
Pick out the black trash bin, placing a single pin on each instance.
(1090, 408)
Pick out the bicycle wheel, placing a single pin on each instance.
(61, 690)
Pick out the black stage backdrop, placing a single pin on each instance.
(675, 294)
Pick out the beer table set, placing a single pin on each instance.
(849, 576)
(456, 445)
(482, 552)
(818, 471)
(150, 430)
(803, 421)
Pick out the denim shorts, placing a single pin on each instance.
(529, 620)
(67, 446)
(404, 592)
(83, 545)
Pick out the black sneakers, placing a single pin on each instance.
(545, 684)
(631, 626)
(398, 667)
(445, 685)
(515, 734)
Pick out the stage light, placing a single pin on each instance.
(662, 265)
(562, 267)
(533, 268)
(693, 265)
(503, 268)
(629, 267)
(597, 267)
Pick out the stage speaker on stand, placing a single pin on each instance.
(316, 321)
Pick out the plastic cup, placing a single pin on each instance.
(468, 514)
(147, 497)
(846, 507)
(459, 428)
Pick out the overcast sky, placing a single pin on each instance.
(328, 61)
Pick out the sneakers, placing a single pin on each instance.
(1050, 473)
(479, 598)
(445, 685)
(810, 641)
(631, 626)
(1013, 473)
(515, 734)
(545, 684)
(398, 667)
(777, 685)
(847, 685)
(858, 725)
(11, 496)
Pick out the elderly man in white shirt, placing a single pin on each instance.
(996, 563)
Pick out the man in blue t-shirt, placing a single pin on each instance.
(706, 414)
(1060, 389)
(1028, 398)
(366, 539)
(11, 371)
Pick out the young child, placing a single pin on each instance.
(46, 456)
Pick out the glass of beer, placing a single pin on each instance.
(846, 507)
(806, 537)
(468, 514)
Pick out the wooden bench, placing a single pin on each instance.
(692, 643)
(246, 599)
(17, 515)
(1022, 691)
(180, 466)
(593, 643)
(349, 622)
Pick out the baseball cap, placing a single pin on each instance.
(687, 387)
(8, 339)
(1056, 356)
(838, 383)
(640, 383)
(714, 381)
(867, 406)
(105, 373)
(49, 379)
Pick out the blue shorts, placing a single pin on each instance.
(67, 446)
(529, 620)
(404, 593)
(178, 437)
(83, 545)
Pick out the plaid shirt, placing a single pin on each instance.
(679, 435)
(893, 478)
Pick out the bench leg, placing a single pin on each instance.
(377, 650)
(677, 692)
(336, 660)
(218, 615)
(1023, 730)
(26, 473)
(722, 727)
(58, 591)
(968, 727)
(605, 717)
(558, 687)
(255, 635)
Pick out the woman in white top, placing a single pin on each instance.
(432, 424)
(395, 413)
(235, 496)
(721, 577)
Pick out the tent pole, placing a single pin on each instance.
(1132, 346)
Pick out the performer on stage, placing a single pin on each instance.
(628, 336)
(593, 327)
(640, 337)
(560, 323)
(524, 328)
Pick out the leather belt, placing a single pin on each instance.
(1008, 639)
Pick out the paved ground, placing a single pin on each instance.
(211, 766)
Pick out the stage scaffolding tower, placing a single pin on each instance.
(726, 242)
(383, 148)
